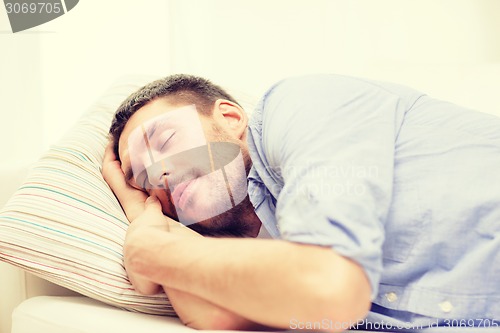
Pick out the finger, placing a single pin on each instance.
(112, 172)
(109, 154)
(116, 181)
(130, 198)
(111, 168)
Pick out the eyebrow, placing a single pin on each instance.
(129, 173)
(152, 129)
(146, 140)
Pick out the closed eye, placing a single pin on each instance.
(165, 137)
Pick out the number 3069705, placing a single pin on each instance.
(33, 7)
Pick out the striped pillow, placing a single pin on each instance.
(64, 223)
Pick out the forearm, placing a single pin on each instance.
(193, 311)
(198, 313)
(269, 282)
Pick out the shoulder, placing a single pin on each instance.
(316, 85)
(327, 92)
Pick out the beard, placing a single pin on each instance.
(232, 223)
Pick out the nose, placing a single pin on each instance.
(158, 174)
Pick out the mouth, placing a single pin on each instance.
(182, 193)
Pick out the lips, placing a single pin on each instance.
(182, 193)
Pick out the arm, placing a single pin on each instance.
(192, 270)
(198, 313)
(269, 282)
(193, 311)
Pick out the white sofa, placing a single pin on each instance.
(39, 306)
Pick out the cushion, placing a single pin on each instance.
(65, 225)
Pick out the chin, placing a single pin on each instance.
(196, 215)
(208, 228)
(231, 223)
(204, 207)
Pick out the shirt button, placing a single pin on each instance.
(446, 306)
(391, 297)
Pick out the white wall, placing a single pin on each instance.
(252, 43)
(50, 74)
(94, 44)
(20, 97)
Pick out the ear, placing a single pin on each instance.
(231, 117)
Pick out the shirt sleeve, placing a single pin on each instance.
(330, 142)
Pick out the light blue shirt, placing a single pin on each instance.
(405, 185)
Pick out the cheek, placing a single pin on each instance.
(211, 192)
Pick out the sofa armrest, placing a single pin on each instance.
(12, 289)
(12, 279)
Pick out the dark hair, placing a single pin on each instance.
(181, 88)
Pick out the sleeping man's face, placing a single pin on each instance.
(196, 168)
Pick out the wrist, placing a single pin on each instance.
(142, 249)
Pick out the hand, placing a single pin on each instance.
(152, 216)
(139, 242)
(146, 236)
(131, 199)
(137, 239)
(133, 202)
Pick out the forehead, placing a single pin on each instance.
(155, 115)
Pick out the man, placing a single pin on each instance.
(360, 194)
